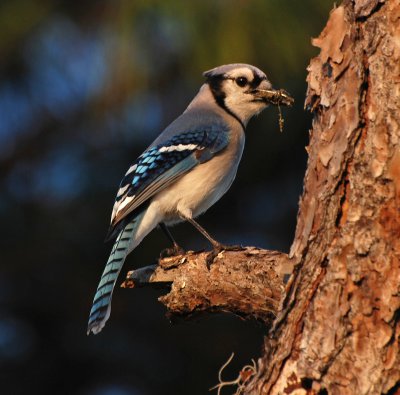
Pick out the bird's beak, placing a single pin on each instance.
(273, 96)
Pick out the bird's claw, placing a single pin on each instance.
(234, 247)
(219, 248)
(173, 251)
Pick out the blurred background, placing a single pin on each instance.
(85, 86)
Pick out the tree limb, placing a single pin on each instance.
(249, 282)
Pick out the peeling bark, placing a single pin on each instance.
(249, 283)
(339, 330)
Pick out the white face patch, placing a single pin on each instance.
(179, 147)
(237, 99)
(242, 72)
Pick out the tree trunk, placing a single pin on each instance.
(338, 332)
(338, 327)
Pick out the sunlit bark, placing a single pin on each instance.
(339, 330)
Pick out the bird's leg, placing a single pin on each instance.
(176, 249)
(217, 246)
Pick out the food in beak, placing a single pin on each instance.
(275, 96)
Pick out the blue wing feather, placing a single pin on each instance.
(161, 165)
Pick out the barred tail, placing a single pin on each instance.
(101, 307)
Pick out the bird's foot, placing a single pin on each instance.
(217, 248)
(233, 247)
(173, 251)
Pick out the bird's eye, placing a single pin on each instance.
(241, 81)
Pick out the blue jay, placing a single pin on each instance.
(185, 170)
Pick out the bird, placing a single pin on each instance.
(187, 169)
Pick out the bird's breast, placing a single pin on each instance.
(201, 187)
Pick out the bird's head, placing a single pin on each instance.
(243, 90)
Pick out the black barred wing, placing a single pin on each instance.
(160, 165)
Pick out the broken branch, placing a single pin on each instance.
(248, 283)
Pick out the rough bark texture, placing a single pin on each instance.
(338, 326)
(339, 330)
(248, 282)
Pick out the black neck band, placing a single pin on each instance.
(219, 96)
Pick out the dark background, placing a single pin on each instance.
(85, 86)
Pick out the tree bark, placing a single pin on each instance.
(249, 283)
(337, 330)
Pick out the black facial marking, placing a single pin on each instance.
(256, 80)
(215, 84)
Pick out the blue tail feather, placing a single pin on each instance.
(101, 307)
